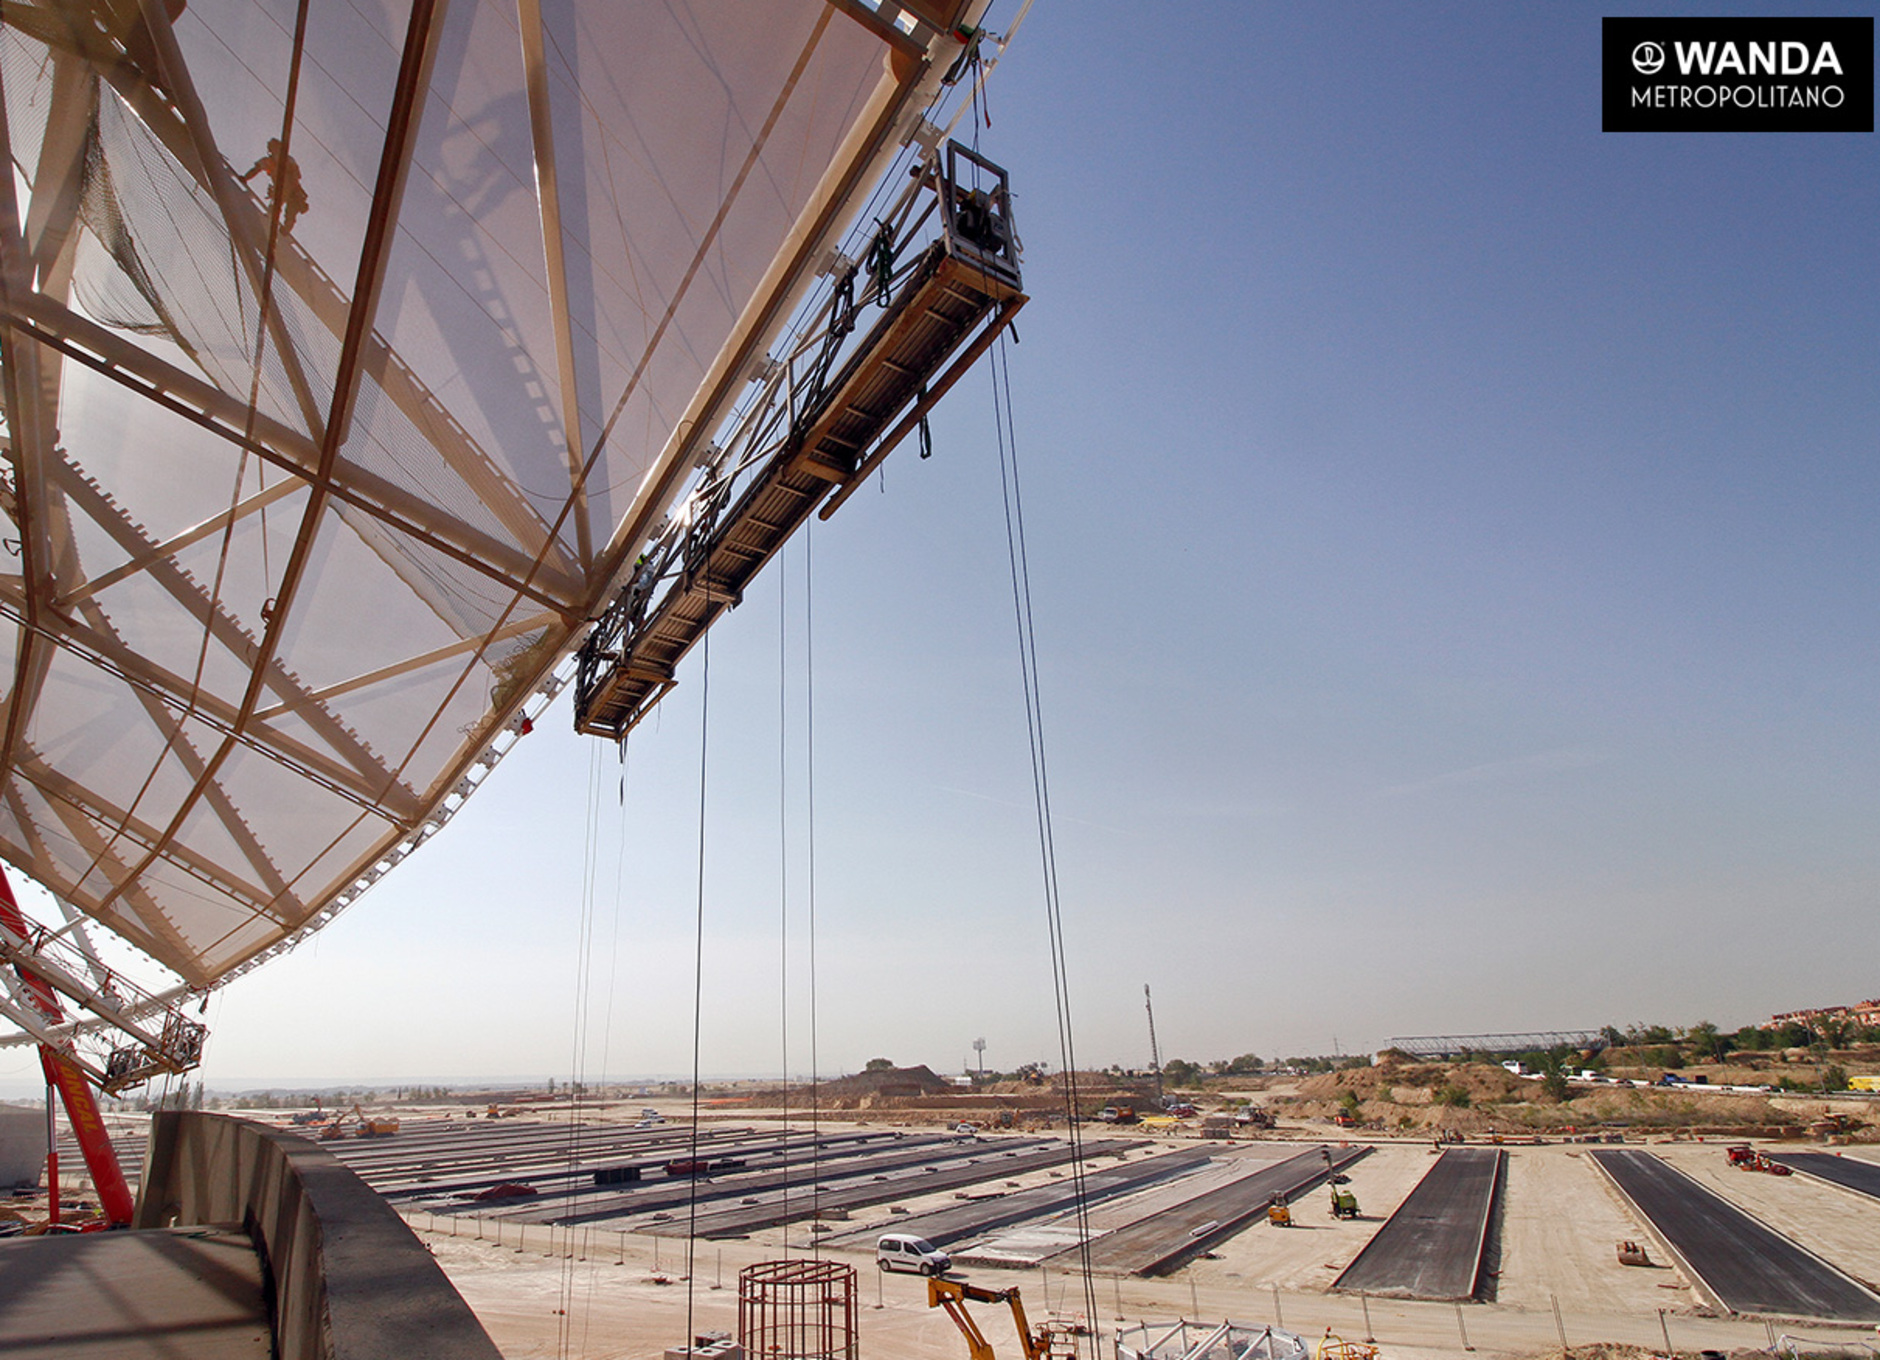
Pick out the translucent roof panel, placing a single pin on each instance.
(353, 347)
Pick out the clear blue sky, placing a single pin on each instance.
(1453, 550)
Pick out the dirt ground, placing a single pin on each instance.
(607, 1295)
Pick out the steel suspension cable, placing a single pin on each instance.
(1006, 434)
(698, 977)
(809, 776)
(583, 991)
(783, 875)
(613, 982)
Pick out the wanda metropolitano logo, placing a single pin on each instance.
(1738, 75)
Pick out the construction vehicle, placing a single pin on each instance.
(314, 1116)
(1047, 1343)
(1117, 1114)
(504, 1190)
(1332, 1347)
(1344, 1202)
(356, 1123)
(1746, 1158)
(1831, 1125)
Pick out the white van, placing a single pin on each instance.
(903, 1251)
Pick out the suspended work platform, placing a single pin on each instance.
(830, 414)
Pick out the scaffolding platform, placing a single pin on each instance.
(942, 313)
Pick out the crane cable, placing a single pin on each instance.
(809, 834)
(698, 978)
(1007, 438)
(814, 1139)
(607, 1015)
(783, 878)
(577, 1078)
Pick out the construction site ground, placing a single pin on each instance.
(1553, 1268)
(607, 1289)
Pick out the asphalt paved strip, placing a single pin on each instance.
(793, 1178)
(548, 1167)
(943, 1227)
(1850, 1173)
(1431, 1248)
(1749, 1267)
(1157, 1245)
(994, 1160)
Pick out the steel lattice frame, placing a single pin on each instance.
(162, 861)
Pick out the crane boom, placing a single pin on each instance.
(953, 1295)
(81, 1106)
(1155, 1054)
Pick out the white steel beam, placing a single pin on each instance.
(196, 400)
(548, 201)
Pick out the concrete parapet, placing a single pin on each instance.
(347, 1279)
(22, 1145)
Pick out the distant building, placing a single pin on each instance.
(1860, 1013)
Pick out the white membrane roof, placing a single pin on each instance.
(350, 349)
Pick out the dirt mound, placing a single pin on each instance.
(1482, 1082)
(889, 1081)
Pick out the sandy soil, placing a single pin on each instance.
(1560, 1225)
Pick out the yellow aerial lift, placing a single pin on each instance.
(953, 1295)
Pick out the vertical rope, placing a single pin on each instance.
(583, 991)
(1007, 437)
(809, 773)
(783, 880)
(613, 979)
(698, 978)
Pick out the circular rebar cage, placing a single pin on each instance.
(797, 1310)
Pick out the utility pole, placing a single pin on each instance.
(1155, 1054)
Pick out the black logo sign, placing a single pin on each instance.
(1738, 75)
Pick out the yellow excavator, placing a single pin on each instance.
(358, 1124)
(1046, 1343)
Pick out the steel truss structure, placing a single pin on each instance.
(1455, 1045)
(348, 354)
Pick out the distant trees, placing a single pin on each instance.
(878, 1065)
(1181, 1072)
(1245, 1064)
(1705, 1042)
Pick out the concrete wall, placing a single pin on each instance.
(349, 1280)
(22, 1145)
